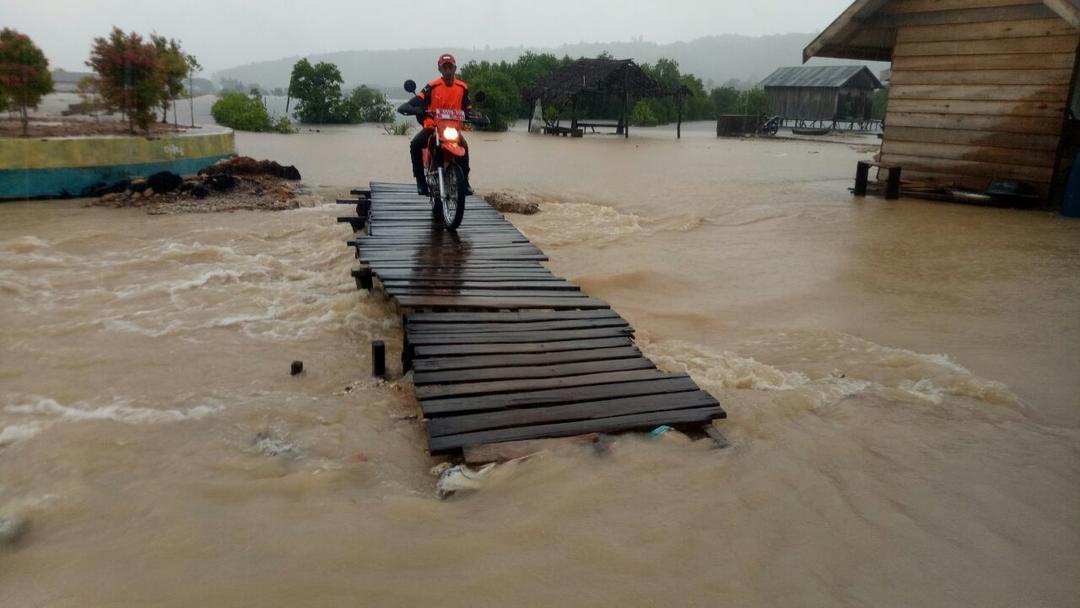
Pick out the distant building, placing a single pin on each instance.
(980, 90)
(822, 93)
(67, 82)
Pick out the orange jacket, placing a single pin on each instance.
(438, 96)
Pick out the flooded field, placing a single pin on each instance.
(900, 379)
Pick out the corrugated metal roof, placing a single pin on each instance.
(826, 76)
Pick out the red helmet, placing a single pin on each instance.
(446, 58)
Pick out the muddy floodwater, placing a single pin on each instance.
(902, 380)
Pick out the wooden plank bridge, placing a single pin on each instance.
(502, 349)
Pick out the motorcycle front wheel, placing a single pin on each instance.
(452, 196)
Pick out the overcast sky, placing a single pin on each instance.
(224, 33)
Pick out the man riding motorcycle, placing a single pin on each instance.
(445, 92)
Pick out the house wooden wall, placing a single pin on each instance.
(806, 103)
(812, 103)
(979, 90)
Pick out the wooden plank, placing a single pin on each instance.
(436, 260)
(1005, 61)
(960, 16)
(484, 279)
(511, 317)
(564, 429)
(455, 406)
(984, 31)
(1027, 158)
(517, 349)
(440, 364)
(969, 168)
(439, 391)
(484, 293)
(498, 303)
(997, 124)
(448, 254)
(977, 184)
(1035, 46)
(417, 329)
(1047, 93)
(523, 372)
(980, 108)
(517, 337)
(1021, 141)
(455, 285)
(900, 7)
(992, 77)
(585, 410)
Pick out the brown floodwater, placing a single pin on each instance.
(901, 380)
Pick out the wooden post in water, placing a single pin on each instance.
(892, 187)
(378, 359)
(678, 123)
(862, 174)
(363, 278)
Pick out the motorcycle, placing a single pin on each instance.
(442, 154)
(769, 125)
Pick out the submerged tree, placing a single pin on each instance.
(193, 67)
(87, 89)
(317, 89)
(24, 74)
(369, 105)
(174, 64)
(131, 75)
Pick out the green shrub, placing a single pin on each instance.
(642, 115)
(243, 113)
(283, 125)
(369, 105)
(397, 128)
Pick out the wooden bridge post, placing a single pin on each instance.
(378, 359)
(862, 174)
(892, 187)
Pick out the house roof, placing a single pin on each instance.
(604, 76)
(862, 31)
(828, 76)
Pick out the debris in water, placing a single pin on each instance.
(440, 468)
(12, 526)
(297, 367)
(513, 450)
(273, 446)
(461, 478)
(669, 434)
(507, 202)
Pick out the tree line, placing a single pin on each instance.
(132, 75)
(505, 82)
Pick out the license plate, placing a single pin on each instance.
(446, 114)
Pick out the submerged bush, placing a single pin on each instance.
(397, 128)
(243, 113)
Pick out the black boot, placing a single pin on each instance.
(468, 187)
(421, 186)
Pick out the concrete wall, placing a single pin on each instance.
(67, 166)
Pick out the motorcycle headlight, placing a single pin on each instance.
(450, 134)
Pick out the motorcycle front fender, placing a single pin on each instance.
(454, 148)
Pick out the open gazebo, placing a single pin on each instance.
(619, 78)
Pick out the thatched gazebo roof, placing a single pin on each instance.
(618, 77)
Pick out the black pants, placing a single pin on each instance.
(416, 152)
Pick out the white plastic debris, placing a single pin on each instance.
(461, 478)
(12, 525)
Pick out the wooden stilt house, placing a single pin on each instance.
(980, 89)
(822, 94)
